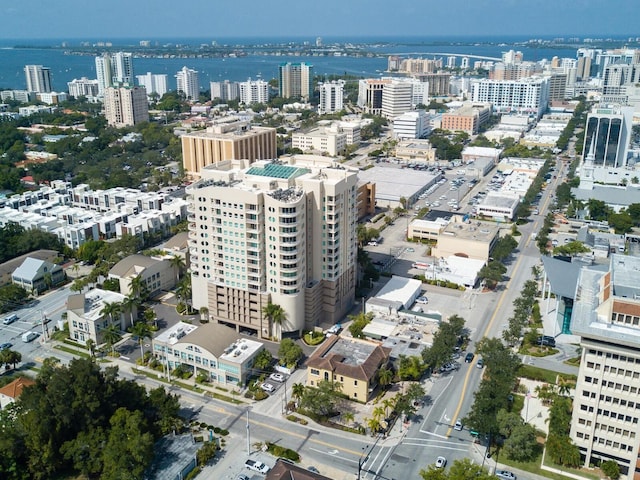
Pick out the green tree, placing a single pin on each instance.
(276, 316)
(492, 273)
(178, 264)
(111, 310)
(10, 357)
(611, 468)
(111, 336)
(130, 304)
(358, 322)
(289, 353)
(142, 331)
(297, 391)
(129, 448)
(322, 400)
(521, 445)
(621, 222)
(410, 367)
(263, 360)
(385, 376)
(86, 451)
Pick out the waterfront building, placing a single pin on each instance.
(225, 90)
(254, 91)
(274, 232)
(527, 95)
(114, 69)
(606, 317)
(296, 80)
(439, 84)
(103, 72)
(22, 96)
(153, 83)
(38, 78)
(188, 83)
(608, 135)
(125, 106)
(331, 97)
(227, 141)
(83, 88)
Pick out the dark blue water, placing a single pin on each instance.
(65, 68)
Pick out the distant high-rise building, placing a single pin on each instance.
(528, 95)
(225, 90)
(227, 142)
(396, 98)
(608, 135)
(331, 97)
(274, 233)
(296, 80)
(451, 62)
(153, 83)
(188, 83)
(83, 87)
(370, 94)
(125, 106)
(318, 41)
(122, 68)
(393, 63)
(38, 78)
(464, 63)
(114, 69)
(254, 91)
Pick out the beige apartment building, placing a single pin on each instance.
(351, 362)
(606, 406)
(125, 106)
(227, 142)
(467, 118)
(470, 239)
(274, 231)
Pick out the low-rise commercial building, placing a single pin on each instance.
(155, 274)
(212, 351)
(416, 150)
(468, 118)
(90, 314)
(499, 206)
(467, 239)
(351, 362)
(37, 276)
(326, 140)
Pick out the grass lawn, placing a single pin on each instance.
(534, 467)
(72, 351)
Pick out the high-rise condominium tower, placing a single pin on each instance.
(38, 78)
(296, 80)
(188, 83)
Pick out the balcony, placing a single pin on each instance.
(191, 217)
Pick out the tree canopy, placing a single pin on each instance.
(79, 419)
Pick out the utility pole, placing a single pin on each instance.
(248, 435)
(362, 460)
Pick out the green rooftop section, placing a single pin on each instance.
(275, 170)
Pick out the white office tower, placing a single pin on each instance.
(188, 83)
(525, 96)
(153, 83)
(606, 317)
(38, 78)
(121, 69)
(331, 97)
(412, 125)
(125, 106)
(451, 62)
(254, 91)
(83, 88)
(225, 90)
(397, 98)
(608, 135)
(273, 232)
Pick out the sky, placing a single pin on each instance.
(157, 19)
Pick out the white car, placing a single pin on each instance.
(278, 377)
(505, 475)
(423, 300)
(267, 387)
(256, 466)
(458, 425)
(441, 462)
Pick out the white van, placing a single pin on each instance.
(29, 336)
(10, 319)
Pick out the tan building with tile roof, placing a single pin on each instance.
(352, 362)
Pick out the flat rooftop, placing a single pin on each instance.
(276, 170)
(473, 230)
(172, 335)
(394, 183)
(502, 200)
(353, 352)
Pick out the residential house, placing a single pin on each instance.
(37, 276)
(88, 317)
(10, 392)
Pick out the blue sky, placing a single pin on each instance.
(151, 19)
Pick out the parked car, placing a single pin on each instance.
(441, 462)
(423, 300)
(480, 363)
(505, 475)
(242, 476)
(256, 466)
(313, 469)
(278, 377)
(546, 340)
(267, 387)
(468, 357)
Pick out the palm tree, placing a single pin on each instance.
(142, 331)
(378, 413)
(177, 262)
(91, 345)
(373, 424)
(348, 417)
(138, 287)
(385, 375)
(150, 316)
(204, 314)
(111, 309)
(111, 336)
(129, 304)
(297, 391)
(276, 315)
(388, 403)
(75, 268)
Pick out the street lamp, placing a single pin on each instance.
(248, 434)
(363, 458)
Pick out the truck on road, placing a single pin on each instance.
(29, 336)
